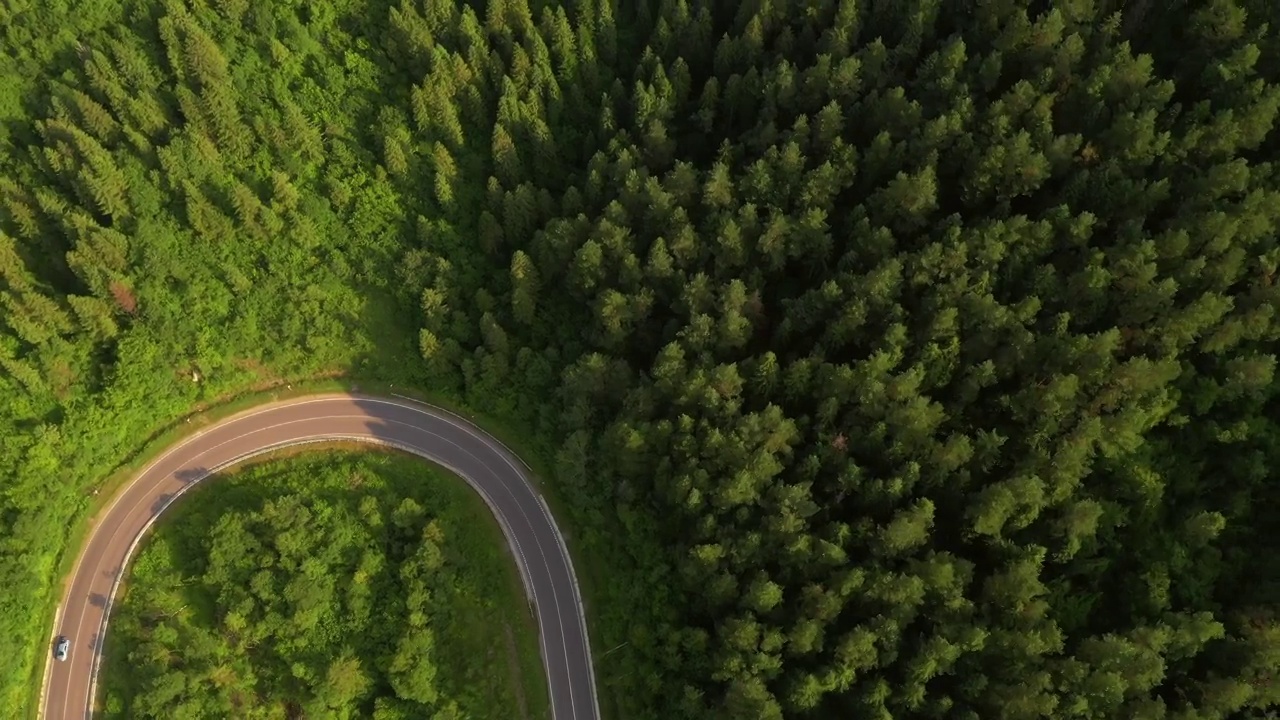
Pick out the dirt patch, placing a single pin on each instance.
(513, 664)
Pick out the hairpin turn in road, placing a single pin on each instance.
(439, 436)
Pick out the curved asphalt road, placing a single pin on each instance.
(442, 437)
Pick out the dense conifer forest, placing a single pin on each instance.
(906, 359)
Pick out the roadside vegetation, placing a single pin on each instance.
(131, 289)
(902, 359)
(330, 584)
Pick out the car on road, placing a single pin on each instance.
(63, 647)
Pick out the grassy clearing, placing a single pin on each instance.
(486, 651)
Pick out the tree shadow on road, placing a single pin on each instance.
(186, 476)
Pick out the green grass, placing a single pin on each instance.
(487, 651)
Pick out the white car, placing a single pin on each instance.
(64, 647)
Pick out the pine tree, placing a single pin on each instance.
(506, 159)
(524, 283)
(445, 174)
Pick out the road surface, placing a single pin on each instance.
(446, 439)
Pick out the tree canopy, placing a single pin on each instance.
(901, 359)
(333, 586)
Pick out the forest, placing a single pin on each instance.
(907, 359)
(427, 626)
